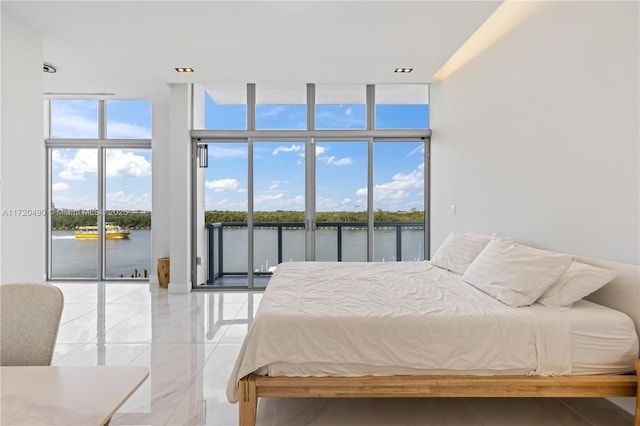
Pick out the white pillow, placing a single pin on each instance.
(459, 250)
(579, 281)
(513, 273)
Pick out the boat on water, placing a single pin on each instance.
(111, 232)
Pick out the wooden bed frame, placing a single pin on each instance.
(623, 294)
(252, 387)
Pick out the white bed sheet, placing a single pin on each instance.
(395, 318)
(603, 340)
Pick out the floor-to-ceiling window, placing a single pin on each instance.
(341, 200)
(398, 200)
(326, 173)
(99, 160)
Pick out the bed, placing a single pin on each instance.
(415, 329)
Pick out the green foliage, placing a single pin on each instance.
(69, 219)
(296, 216)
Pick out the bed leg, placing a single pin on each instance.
(637, 422)
(248, 401)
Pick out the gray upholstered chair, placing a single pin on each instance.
(29, 320)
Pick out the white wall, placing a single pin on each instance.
(201, 232)
(538, 138)
(161, 202)
(180, 188)
(22, 154)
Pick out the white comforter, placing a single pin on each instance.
(394, 318)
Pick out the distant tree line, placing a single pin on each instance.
(215, 216)
(69, 219)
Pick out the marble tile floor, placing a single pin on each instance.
(229, 281)
(190, 342)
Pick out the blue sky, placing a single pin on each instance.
(341, 166)
(73, 171)
(341, 176)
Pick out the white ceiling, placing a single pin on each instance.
(131, 48)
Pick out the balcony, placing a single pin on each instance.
(277, 242)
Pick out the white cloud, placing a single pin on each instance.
(339, 162)
(84, 162)
(326, 204)
(270, 202)
(292, 148)
(222, 185)
(345, 119)
(420, 149)
(76, 201)
(60, 186)
(268, 197)
(118, 164)
(275, 184)
(331, 160)
(343, 161)
(399, 187)
(126, 164)
(117, 198)
(226, 204)
(297, 201)
(121, 200)
(346, 204)
(57, 157)
(272, 112)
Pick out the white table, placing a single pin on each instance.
(66, 395)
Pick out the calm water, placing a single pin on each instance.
(354, 247)
(77, 258)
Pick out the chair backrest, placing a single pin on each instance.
(29, 320)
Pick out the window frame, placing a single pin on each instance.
(101, 144)
(311, 134)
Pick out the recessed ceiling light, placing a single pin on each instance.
(48, 68)
(184, 69)
(403, 70)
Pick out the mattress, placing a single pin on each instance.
(351, 319)
(603, 340)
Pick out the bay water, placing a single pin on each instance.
(77, 258)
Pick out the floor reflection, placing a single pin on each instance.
(190, 343)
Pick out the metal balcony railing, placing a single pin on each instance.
(216, 240)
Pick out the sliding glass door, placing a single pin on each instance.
(268, 202)
(398, 200)
(333, 172)
(278, 205)
(341, 205)
(254, 210)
